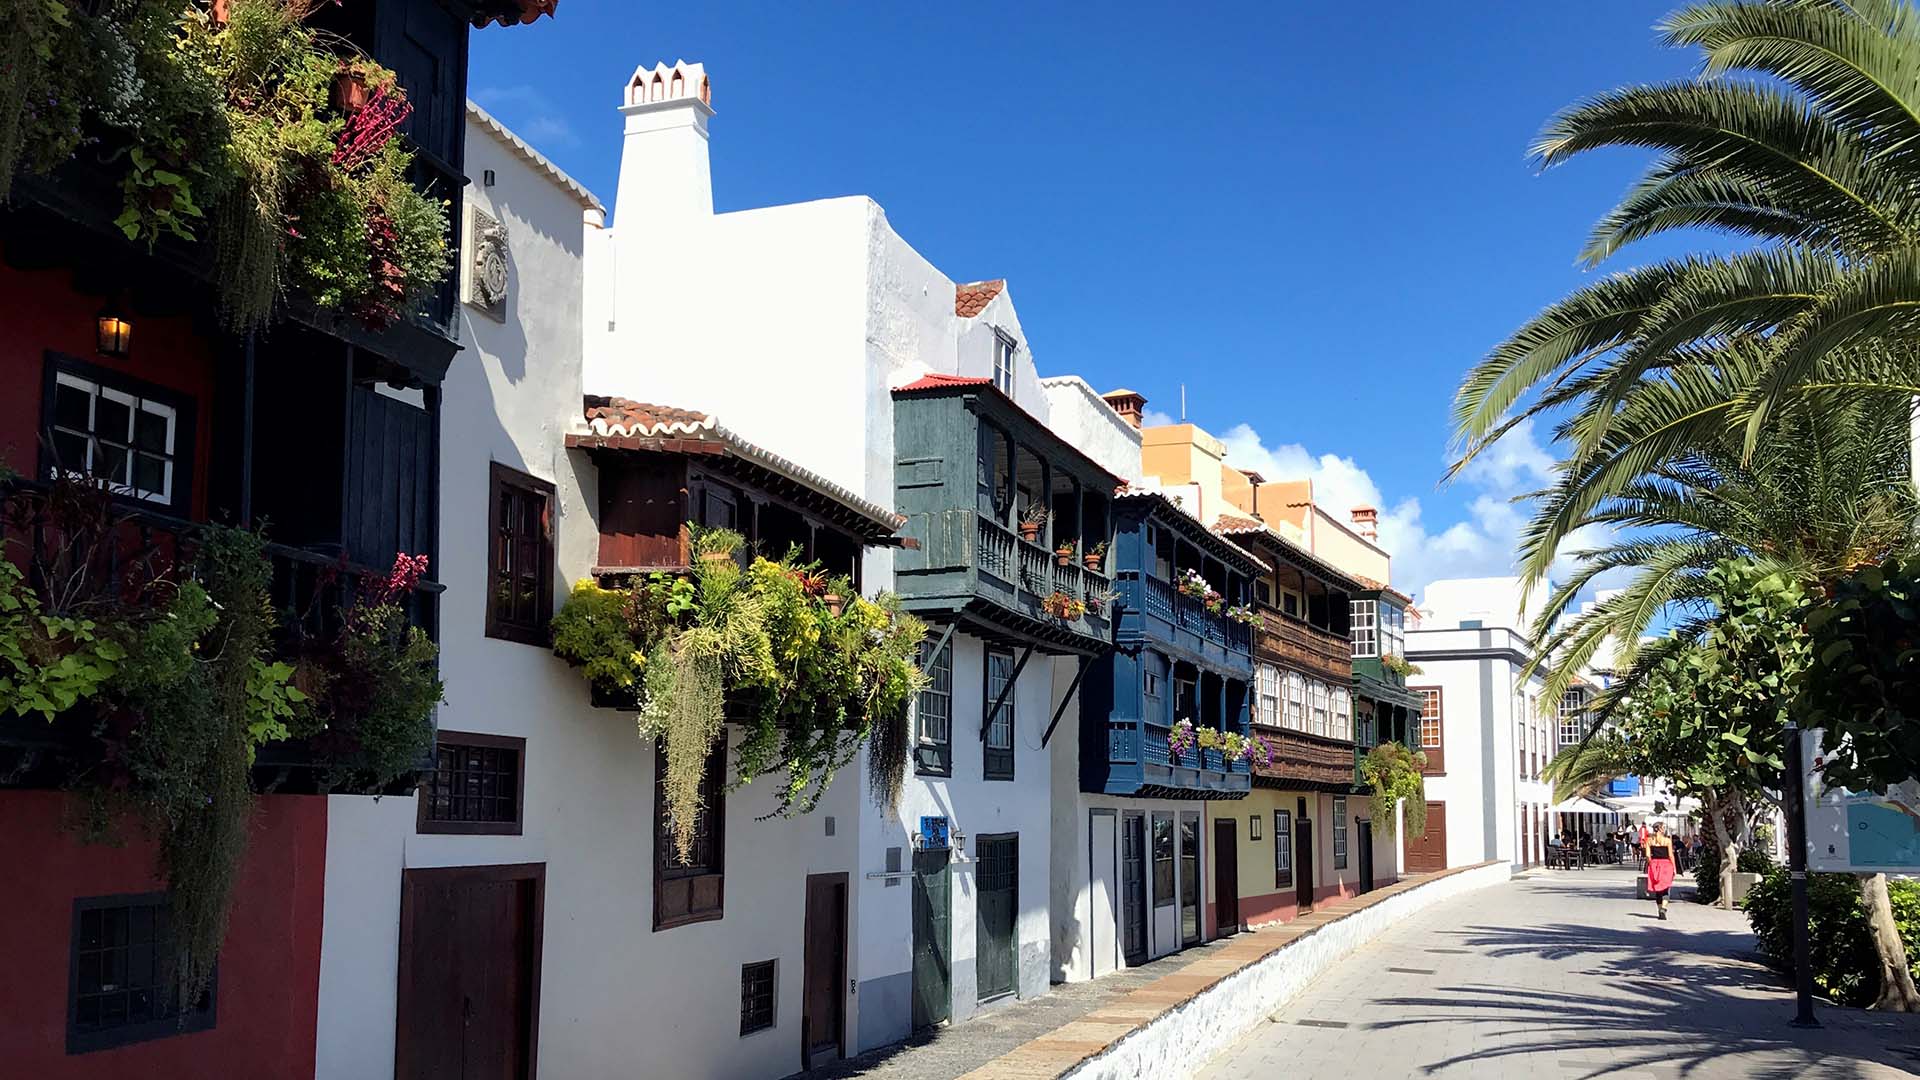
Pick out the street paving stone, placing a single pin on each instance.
(1564, 976)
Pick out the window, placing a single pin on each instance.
(1342, 713)
(476, 785)
(132, 436)
(1573, 718)
(1296, 701)
(1365, 643)
(1185, 700)
(1363, 730)
(690, 891)
(121, 984)
(1321, 721)
(1430, 732)
(758, 986)
(1004, 350)
(1282, 849)
(998, 759)
(1162, 860)
(520, 596)
(1269, 688)
(933, 712)
(1339, 832)
(1393, 630)
(1520, 748)
(1253, 826)
(1156, 704)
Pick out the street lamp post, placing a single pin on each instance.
(1796, 791)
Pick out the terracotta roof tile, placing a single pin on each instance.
(973, 297)
(508, 12)
(622, 416)
(936, 381)
(1230, 523)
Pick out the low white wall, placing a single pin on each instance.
(1183, 1040)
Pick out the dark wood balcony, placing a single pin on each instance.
(1294, 644)
(1305, 762)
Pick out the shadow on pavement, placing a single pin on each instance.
(1672, 1002)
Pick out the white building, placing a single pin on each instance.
(1485, 728)
(809, 326)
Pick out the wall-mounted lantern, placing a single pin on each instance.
(113, 331)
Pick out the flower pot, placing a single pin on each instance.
(1092, 561)
(220, 12)
(1030, 531)
(349, 92)
(1063, 558)
(835, 603)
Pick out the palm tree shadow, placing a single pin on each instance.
(1674, 1003)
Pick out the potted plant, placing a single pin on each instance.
(350, 89)
(1063, 554)
(1094, 556)
(1243, 613)
(1215, 603)
(1192, 584)
(1061, 606)
(1030, 522)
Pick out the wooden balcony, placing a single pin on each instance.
(1305, 762)
(1294, 644)
(1160, 613)
(1140, 763)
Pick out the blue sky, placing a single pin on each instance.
(1315, 216)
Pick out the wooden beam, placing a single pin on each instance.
(1072, 688)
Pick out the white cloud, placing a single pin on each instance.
(1155, 418)
(531, 113)
(1481, 543)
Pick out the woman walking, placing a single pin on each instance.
(1659, 853)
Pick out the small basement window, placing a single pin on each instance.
(758, 991)
(121, 984)
(477, 786)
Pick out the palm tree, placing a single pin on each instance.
(1803, 133)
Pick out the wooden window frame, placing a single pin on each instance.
(992, 758)
(183, 454)
(426, 825)
(1283, 846)
(535, 633)
(1253, 828)
(1340, 825)
(1437, 753)
(184, 1023)
(713, 816)
(750, 1024)
(934, 757)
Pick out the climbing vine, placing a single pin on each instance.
(1394, 773)
(768, 644)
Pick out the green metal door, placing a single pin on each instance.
(932, 938)
(996, 901)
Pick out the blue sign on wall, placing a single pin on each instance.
(1624, 786)
(933, 834)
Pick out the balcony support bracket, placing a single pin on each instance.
(1072, 689)
(1012, 681)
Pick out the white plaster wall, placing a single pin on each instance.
(1179, 1042)
(1494, 601)
(1080, 416)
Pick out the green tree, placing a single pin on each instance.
(1802, 135)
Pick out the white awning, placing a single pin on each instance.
(1582, 805)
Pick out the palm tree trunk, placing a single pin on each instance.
(1897, 993)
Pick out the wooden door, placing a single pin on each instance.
(932, 938)
(1133, 888)
(1303, 864)
(1226, 877)
(1428, 852)
(822, 1002)
(1366, 855)
(469, 984)
(996, 900)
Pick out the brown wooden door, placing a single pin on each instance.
(1226, 877)
(469, 982)
(822, 1005)
(1429, 852)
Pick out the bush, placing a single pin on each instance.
(1840, 944)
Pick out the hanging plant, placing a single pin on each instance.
(1244, 614)
(1399, 665)
(1394, 772)
(1194, 585)
(761, 645)
(1062, 606)
(1232, 745)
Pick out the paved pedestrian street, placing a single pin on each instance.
(1564, 976)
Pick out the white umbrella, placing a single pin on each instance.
(1582, 805)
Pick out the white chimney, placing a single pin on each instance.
(666, 185)
(1366, 522)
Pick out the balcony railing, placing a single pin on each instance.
(1139, 756)
(1320, 652)
(1025, 574)
(1160, 600)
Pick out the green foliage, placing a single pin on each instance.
(757, 645)
(230, 127)
(48, 663)
(1863, 685)
(1845, 965)
(1394, 773)
(1399, 666)
(381, 684)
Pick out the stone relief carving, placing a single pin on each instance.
(488, 275)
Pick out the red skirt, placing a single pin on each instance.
(1659, 876)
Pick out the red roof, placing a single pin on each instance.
(935, 382)
(973, 297)
(508, 12)
(629, 417)
(1230, 523)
